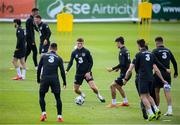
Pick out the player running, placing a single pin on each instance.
(19, 53)
(30, 36)
(144, 62)
(164, 55)
(84, 64)
(45, 34)
(50, 62)
(124, 62)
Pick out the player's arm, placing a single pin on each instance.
(174, 65)
(158, 73)
(90, 63)
(160, 65)
(70, 62)
(39, 69)
(48, 34)
(20, 36)
(63, 75)
(128, 73)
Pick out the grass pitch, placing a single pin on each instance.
(19, 99)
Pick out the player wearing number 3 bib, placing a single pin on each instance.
(164, 56)
(84, 63)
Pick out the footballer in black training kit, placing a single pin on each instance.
(30, 36)
(144, 63)
(165, 56)
(45, 34)
(19, 53)
(84, 64)
(124, 62)
(48, 65)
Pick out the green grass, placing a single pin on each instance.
(19, 99)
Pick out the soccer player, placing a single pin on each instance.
(19, 52)
(84, 64)
(50, 62)
(124, 62)
(144, 63)
(45, 34)
(164, 55)
(30, 36)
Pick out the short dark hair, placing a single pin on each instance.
(53, 45)
(17, 21)
(141, 43)
(38, 16)
(159, 39)
(80, 40)
(34, 9)
(120, 39)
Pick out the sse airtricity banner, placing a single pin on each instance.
(97, 10)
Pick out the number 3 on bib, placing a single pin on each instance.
(80, 60)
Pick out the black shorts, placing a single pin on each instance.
(157, 81)
(119, 80)
(79, 79)
(50, 82)
(19, 54)
(145, 87)
(43, 49)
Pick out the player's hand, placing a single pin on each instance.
(168, 71)
(165, 82)
(175, 75)
(66, 72)
(45, 42)
(124, 82)
(64, 86)
(16, 49)
(33, 43)
(116, 70)
(88, 75)
(109, 69)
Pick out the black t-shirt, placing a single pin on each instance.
(20, 45)
(30, 26)
(143, 62)
(164, 56)
(84, 61)
(45, 32)
(124, 60)
(50, 63)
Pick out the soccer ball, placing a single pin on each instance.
(79, 100)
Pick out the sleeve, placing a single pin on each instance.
(174, 63)
(48, 31)
(63, 75)
(29, 27)
(70, 62)
(39, 69)
(20, 36)
(137, 61)
(90, 61)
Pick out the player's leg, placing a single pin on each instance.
(23, 64)
(157, 92)
(18, 70)
(119, 86)
(93, 86)
(28, 51)
(44, 87)
(169, 102)
(77, 84)
(34, 49)
(56, 90)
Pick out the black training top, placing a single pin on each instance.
(45, 32)
(50, 63)
(20, 45)
(84, 61)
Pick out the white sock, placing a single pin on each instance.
(59, 116)
(150, 111)
(155, 108)
(18, 71)
(24, 73)
(43, 113)
(113, 101)
(170, 108)
(125, 100)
